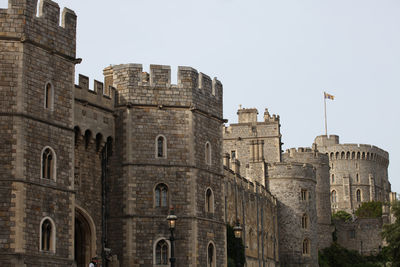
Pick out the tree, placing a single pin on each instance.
(342, 215)
(371, 209)
(235, 248)
(391, 232)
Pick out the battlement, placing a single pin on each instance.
(98, 96)
(193, 89)
(326, 140)
(20, 22)
(246, 184)
(292, 170)
(302, 154)
(357, 152)
(269, 118)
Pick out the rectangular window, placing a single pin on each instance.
(233, 154)
(304, 194)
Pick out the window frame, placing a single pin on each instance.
(52, 245)
(48, 102)
(53, 167)
(214, 256)
(209, 201)
(164, 147)
(158, 203)
(168, 243)
(208, 153)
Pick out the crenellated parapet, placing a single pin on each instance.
(98, 96)
(194, 90)
(292, 170)
(358, 152)
(20, 23)
(306, 155)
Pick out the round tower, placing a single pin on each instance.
(358, 173)
(294, 185)
(320, 162)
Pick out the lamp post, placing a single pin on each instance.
(237, 230)
(171, 218)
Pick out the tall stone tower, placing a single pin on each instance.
(169, 142)
(320, 162)
(358, 173)
(293, 184)
(37, 59)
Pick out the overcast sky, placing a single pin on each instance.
(279, 55)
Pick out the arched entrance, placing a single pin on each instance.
(84, 238)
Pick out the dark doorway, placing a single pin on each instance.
(82, 241)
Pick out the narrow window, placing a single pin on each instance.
(209, 201)
(352, 234)
(304, 194)
(162, 253)
(208, 153)
(47, 236)
(333, 178)
(358, 195)
(348, 155)
(48, 96)
(161, 147)
(304, 221)
(210, 256)
(357, 178)
(48, 162)
(161, 195)
(306, 247)
(233, 154)
(333, 196)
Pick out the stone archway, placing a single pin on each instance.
(85, 240)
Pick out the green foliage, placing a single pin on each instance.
(335, 255)
(372, 209)
(235, 248)
(391, 233)
(342, 215)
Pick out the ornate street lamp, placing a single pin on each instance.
(171, 218)
(237, 230)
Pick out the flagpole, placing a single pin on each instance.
(326, 124)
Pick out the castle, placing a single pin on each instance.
(87, 172)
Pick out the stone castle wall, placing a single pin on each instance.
(321, 164)
(362, 235)
(294, 186)
(148, 107)
(36, 51)
(355, 167)
(256, 209)
(239, 137)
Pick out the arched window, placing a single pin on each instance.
(48, 164)
(342, 155)
(304, 221)
(358, 155)
(88, 136)
(353, 155)
(337, 155)
(162, 253)
(333, 196)
(211, 262)
(208, 153)
(48, 96)
(209, 201)
(333, 178)
(348, 155)
(306, 247)
(161, 147)
(331, 156)
(47, 235)
(161, 196)
(358, 195)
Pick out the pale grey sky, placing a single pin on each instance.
(279, 55)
